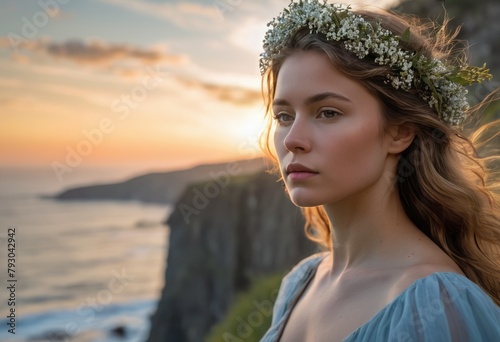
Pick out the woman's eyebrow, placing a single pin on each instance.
(314, 98)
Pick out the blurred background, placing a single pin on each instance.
(108, 108)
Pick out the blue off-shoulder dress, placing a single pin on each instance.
(441, 307)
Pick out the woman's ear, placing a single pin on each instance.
(400, 137)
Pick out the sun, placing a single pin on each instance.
(244, 132)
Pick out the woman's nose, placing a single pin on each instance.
(298, 137)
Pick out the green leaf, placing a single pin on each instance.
(406, 35)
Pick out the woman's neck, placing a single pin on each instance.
(370, 230)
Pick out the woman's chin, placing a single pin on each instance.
(305, 201)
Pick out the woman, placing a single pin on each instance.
(366, 113)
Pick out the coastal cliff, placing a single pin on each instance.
(218, 245)
(158, 187)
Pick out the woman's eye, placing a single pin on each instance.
(283, 118)
(329, 113)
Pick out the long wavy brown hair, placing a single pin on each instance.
(448, 189)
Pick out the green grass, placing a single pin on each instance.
(250, 315)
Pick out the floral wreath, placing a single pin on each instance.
(440, 85)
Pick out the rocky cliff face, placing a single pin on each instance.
(220, 240)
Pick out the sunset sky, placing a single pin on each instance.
(136, 84)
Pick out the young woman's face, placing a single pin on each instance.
(329, 137)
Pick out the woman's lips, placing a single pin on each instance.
(297, 171)
(301, 175)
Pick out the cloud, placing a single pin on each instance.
(236, 95)
(182, 14)
(248, 35)
(128, 61)
(98, 52)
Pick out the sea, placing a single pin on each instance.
(85, 271)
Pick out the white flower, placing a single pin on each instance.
(338, 23)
